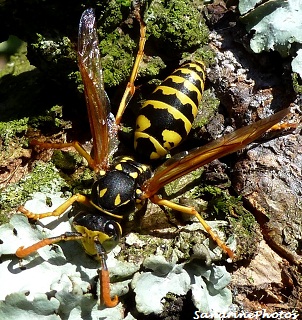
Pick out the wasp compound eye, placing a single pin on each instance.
(113, 230)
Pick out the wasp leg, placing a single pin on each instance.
(130, 89)
(59, 211)
(23, 252)
(104, 278)
(190, 210)
(74, 144)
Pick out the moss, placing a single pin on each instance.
(152, 68)
(177, 24)
(9, 129)
(81, 181)
(117, 50)
(185, 183)
(206, 110)
(3, 218)
(112, 16)
(222, 205)
(66, 161)
(296, 83)
(247, 232)
(44, 177)
(204, 53)
(18, 62)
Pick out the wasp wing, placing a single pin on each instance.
(100, 119)
(181, 164)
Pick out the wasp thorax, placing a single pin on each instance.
(116, 191)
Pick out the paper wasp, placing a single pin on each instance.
(164, 121)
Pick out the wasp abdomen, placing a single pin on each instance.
(166, 118)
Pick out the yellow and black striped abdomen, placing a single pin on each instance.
(166, 118)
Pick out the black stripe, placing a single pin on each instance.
(173, 101)
(144, 149)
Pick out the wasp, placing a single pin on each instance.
(121, 186)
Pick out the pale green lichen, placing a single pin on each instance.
(276, 25)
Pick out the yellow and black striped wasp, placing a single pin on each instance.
(163, 122)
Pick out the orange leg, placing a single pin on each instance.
(105, 290)
(23, 252)
(190, 210)
(57, 212)
(130, 89)
(74, 144)
(104, 278)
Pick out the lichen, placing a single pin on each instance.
(282, 20)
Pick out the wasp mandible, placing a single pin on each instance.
(163, 122)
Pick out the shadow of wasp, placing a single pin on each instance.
(164, 120)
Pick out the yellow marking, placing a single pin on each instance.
(117, 200)
(144, 167)
(143, 123)
(126, 159)
(102, 172)
(119, 167)
(175, 113)
(138, 195)
(88, 241)
(134, 175)
(126, 202)
(160, 150)
(107, 212)
(171, 136)
(155, 156)
(102, 192)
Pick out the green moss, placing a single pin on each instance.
(247, 233)
(12, 140)
(8, 130)
(44, 177)
(204, 53)
(206, 109)
(3, 218)
(244, 226)
(18, 63)
(112, 16)
(296, 85)
(176, 24)
(66, 161)
(185, 183)
(81, 181)
(152, 68)
(117, 51)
